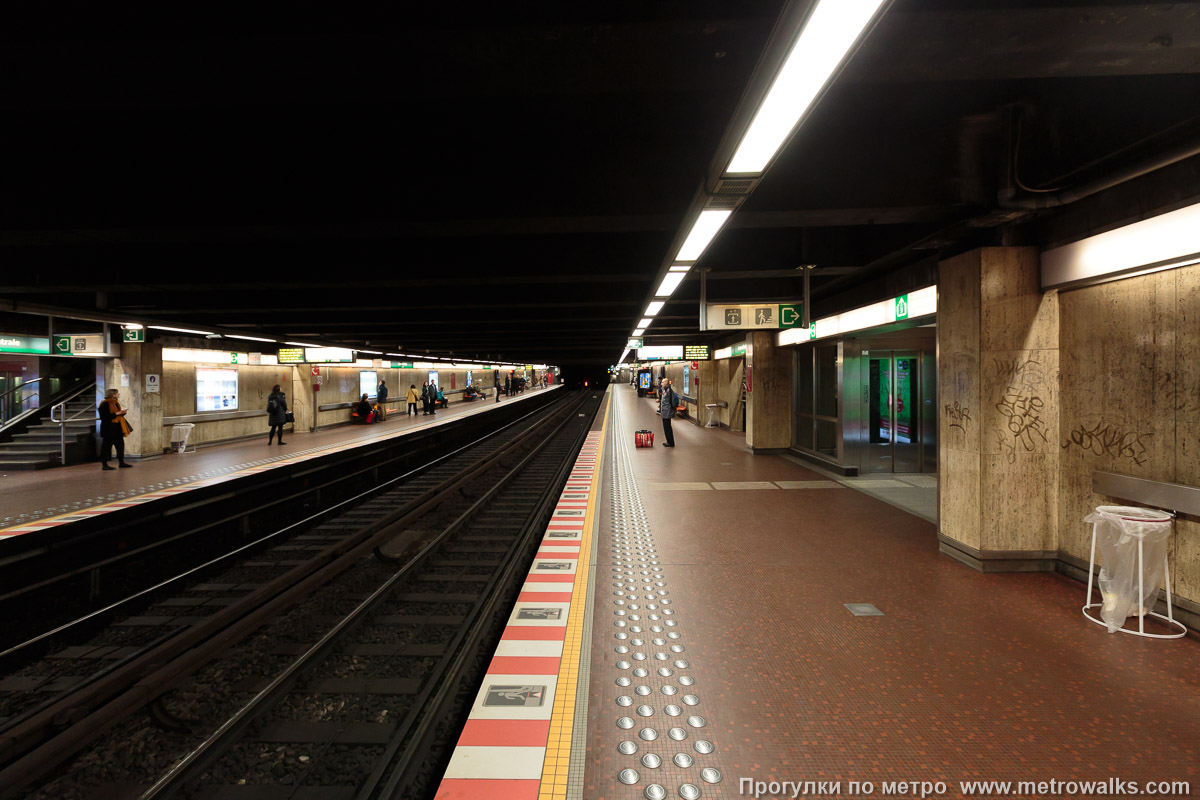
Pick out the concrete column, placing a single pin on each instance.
(998, 365)
(127, 374)
(300, 398)
(706, 392)
(769, 395)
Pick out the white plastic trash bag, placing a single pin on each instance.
(180, 434)
(1119, 529)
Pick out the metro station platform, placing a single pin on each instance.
(702, 616)
(38, 500)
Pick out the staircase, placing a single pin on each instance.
(39, 446)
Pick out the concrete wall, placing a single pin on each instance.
(1038, 390)
(726, 386)
(1131, 402)
(769, 415)
(254, 384)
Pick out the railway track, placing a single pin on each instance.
(335, 673)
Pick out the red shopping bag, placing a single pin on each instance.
(643, 438)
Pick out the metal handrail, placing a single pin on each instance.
(6, 403)
(60, 408)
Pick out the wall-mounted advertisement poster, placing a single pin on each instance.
(216, 390)
(368, 383)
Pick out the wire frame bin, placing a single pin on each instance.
(179, 436)
(1133, 542)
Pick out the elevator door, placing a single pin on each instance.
(894, 411)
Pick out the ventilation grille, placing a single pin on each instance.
(731, 201)
(738, 186)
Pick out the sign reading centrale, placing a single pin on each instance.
(33, 345)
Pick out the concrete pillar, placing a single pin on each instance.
(127, 373)
(769, 393)
(998, 365)
(706, 392)
(300, 399)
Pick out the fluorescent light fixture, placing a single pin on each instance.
(670, 283)
(639, 331)
(251, 338)
(182, 330)
(372, 352)
(131, 326)
(645, 323)
(303, 344)
(826, 39)
(1164, 242)
(921, 303)
(704, 229)
(396, 355)
(724, 352)
(654, 307)
(679, 268)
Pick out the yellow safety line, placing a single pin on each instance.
(562, 718)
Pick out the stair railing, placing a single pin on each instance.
(58, 415)
(12, 406)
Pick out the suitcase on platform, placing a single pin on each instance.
(643, 438)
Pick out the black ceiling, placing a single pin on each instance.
(505, 180)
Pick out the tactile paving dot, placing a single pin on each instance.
(710, 775)
(627, 747)
(655, 792)
(689, 791)
(682, 760)
(647, 734)
(651, 761)
(628, 776)
(703, 746)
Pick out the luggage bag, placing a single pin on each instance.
(643, 438)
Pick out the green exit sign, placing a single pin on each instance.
(133, 335)
(902, 307)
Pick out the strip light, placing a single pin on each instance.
(1163, 242)
(252, 338)
(654, 307)
(303, 344)
(827, 37)
(639, 331)
(670, 283)
(703, 231)
(645, 322)
(182, 330)
(921, 303)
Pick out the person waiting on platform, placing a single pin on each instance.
(667, 402)
(361, 413)
(113, 430)
(277, 411)
(440, 399)
(381, 396)
(413, 397)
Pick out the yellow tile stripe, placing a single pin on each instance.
(562, 718)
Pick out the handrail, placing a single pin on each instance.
(6, 403)
(61, 408)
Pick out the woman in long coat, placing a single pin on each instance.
(276, 413)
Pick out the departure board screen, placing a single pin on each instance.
(696, 352)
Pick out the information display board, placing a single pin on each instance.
(468, 377)
(328, 355)
(291, 355)
(368, 383)
(433, 376)
(644, 380)
(663, 352)
(216, 390)
(696, 352)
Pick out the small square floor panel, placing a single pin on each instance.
(863, 609)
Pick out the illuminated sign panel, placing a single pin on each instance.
(696, 352)
(328, 355)
(662, 352)
(291, 355)
(34, 345)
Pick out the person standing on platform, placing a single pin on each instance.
(381, 395)
(496, 375)
(113, 430)
(425, 401)
(433, 397)
(507, 384)
(667, 402)
(276, 413)
(413, 397)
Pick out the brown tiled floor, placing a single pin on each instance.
(966, 676)
(24, 492)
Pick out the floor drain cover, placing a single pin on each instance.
(863, 609)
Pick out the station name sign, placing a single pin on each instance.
(696, 352)
(33, 345)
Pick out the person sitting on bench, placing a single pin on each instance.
(361, 412)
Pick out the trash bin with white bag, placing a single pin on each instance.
(1133, 548)
(179, 436)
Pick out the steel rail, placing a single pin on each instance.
(214, 746)
(150, 673)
